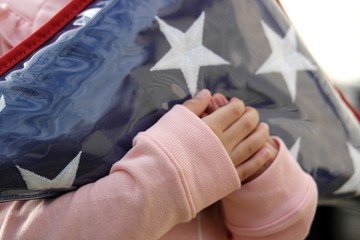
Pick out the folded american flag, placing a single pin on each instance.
(75, 93)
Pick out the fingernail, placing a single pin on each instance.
(222, 101)
(202, 94)
(265, 125)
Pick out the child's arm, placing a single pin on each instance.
(278, 201)
(278, 204)
(175, 169)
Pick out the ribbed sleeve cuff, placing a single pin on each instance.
(204, 165)
(282, 195)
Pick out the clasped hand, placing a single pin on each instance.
(239, 129)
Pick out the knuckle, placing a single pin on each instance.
(237, 107)
(248, 124)
(249, 149)
(235, 110)
(267, 133)
(264, 132)
(189, 104)
(241, 104)
(255, 115)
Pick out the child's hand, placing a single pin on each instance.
(219, 100)
(242, 135)
(247, 142)
(273, 149)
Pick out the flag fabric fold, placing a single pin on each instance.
(70, 108)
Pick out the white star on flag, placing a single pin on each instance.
(353, 183)
(187, 52)
(295, 149)
(284, 58)
(2, 103)
(64, 179)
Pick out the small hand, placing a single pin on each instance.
(273, 148)
(242, 135)
(238, 129)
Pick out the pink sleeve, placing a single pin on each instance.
(165, 179)
(279, 204)
(19, 18)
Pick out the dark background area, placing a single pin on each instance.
(339, 222)
(335, 223)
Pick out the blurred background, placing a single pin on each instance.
(331, 31)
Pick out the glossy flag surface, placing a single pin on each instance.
(101, 71)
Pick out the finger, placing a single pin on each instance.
(250, 145)
(212, 107)
(273, 150)
(272, 155)
(242, 127)
(199, 103)
(252, 165)
(273, 143)
(222, 118)
(220, 99)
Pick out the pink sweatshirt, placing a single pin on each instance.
(168, 186)
(162, 189)
(19, 18)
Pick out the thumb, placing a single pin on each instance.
(199, 103)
